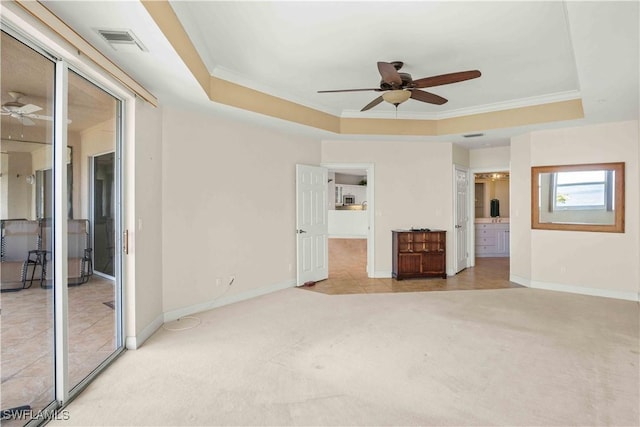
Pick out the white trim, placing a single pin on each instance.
(576, 289)
(219, 302)
(371, 241)
(60, 239)
(520, 280)
(382, 274)
(134, 342)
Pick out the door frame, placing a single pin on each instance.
(117, 203)
(472, 197)
(370, 169)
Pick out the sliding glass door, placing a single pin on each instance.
(27, 331)
(93, 294)
(60, 192)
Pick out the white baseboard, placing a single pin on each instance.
(134, 342)
(219, 302)
(575, 289)
(382, 274)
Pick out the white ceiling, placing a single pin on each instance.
(528, 52)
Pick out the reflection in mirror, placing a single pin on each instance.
(588, 197)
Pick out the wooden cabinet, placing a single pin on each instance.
(492, 240)
(419, 254)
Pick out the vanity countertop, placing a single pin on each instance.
(491, 220)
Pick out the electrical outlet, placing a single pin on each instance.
(218, 281)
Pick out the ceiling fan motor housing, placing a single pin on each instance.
(12, 106)
(406, 82)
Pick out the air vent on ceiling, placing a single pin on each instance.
(473, 135)
(122, 40)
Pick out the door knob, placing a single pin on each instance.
(300, 231)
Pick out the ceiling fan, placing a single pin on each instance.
(21, 111)
(399, 87)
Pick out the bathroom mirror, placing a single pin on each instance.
(587, 197)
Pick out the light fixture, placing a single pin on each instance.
(396, 97)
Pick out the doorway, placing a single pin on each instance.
(103, 212)
(351, 219)
(491, 207)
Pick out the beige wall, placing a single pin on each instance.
(587, 262)
(145, 223)
(228, 207)
(497, 158)
(99, 139)
(461, 155)
(413, 188)
(19, 190)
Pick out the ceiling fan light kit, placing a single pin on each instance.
(396, 97)
(399, 87)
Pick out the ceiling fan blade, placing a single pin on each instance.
(389, 74)
(48, 118)
(372, 104)
(431, 98)
(40, 117)
(348, 90)
(28, 109)
(26, 121)
(445, 79)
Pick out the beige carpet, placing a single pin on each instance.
(517, 357)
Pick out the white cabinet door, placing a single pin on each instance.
(502, 239)
(492, 240)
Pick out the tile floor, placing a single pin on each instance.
(26, 333)
(347, 274)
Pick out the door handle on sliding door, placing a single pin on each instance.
(125, 242)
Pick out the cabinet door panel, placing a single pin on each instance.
(433, 263)
(409, 263)
(486, 241)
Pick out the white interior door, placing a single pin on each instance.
(461, 219)
(311, 224)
